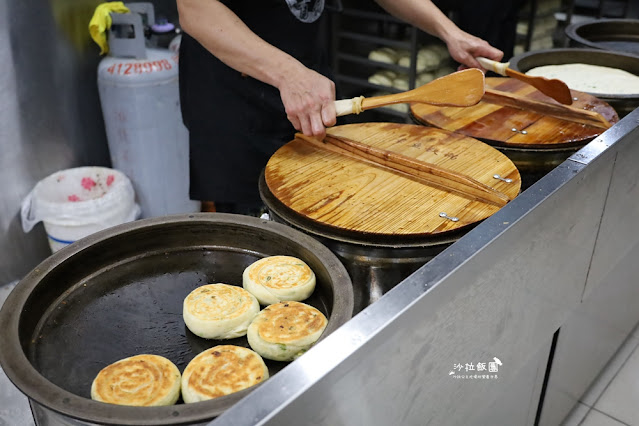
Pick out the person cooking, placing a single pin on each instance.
(252, 72)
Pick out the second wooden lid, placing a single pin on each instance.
(512, 127)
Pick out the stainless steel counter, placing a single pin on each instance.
(502, 291)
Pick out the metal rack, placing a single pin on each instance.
(530, 14)
(371, 29)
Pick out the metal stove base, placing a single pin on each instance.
(14, 406)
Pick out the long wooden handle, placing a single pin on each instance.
(556, 89)
(591, 118)
(428, 173)
(490, 65)
(348, 106)
(460, 89)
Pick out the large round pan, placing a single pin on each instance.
(620, 35)
(119, 293)
(623, 104)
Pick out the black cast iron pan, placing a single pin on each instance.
(119, 293)
(618, 35)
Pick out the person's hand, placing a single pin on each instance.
(464, 48)
(309, 98)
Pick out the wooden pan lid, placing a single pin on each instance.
(345, 193)
(495, 123)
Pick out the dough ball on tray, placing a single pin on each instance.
(383, 78)
(386, 55)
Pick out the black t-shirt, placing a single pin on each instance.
(236, 122)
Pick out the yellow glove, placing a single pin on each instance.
(101, 22)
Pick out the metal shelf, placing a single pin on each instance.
(344, 58)
(376, 40)
(371, 63)
(365, 83)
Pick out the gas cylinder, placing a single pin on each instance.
(139, 95)
(174, 45)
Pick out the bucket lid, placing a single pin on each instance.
(77, 196)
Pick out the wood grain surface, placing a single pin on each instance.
(461, 88)
(494, 123)
(346, 192)
(552, 87)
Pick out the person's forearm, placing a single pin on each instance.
(308, 97)
(422, 14)
(223, 34)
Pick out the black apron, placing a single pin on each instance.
(495, 21)
(236, 122)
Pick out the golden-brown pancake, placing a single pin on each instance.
(141, 380)
(285, 330)
(219, 311)
(277, 278)
(220, 371)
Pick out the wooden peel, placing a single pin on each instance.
(428, 173)
(583, 116)
(459, 89)
(556, 89)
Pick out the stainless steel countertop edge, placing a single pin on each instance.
(265, 402)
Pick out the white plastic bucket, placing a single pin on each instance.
(75, 203)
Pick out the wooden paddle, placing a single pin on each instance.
(459, 89)
(556, 89)
(576, 115)
(428, 173)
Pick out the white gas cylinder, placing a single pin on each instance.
(140, 100)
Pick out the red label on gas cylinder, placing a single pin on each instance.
(131, 68)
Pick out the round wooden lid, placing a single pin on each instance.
(344, 192)
(495, 123)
